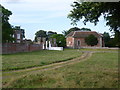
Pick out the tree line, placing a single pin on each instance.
(91, 13)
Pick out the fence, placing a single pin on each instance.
(9, 48)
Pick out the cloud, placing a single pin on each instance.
(34, 14)
(37, 18)
(34, 11)
(42, 5)
(11, 1)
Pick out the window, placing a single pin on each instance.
(18, 36)
(78, 43)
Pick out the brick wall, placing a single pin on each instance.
(73, 42)
(69, 42)
(9, 48)
(83, 43)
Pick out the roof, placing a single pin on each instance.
(82, 34)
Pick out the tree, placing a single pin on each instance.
(40, 33)
(7, 31)
(112, 42)
(60, 40)
(91, 11)
(91, 40)
(106, 38)
(117, 38)
(85, 29)
(70, 30)
(50, 33)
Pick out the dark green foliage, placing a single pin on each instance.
(91, 11)
(106, 38)
(85, 29)
(40, 33)
(91, 40)
(50, 33)
(60, 40)
(112, 42)
(117, 38)
(45, 34)
(7, 30)
(115, 42)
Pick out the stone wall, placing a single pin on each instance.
(9, 48)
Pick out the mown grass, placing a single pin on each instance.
(94, 49)
(100, 71)
(37, 58)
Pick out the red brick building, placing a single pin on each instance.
(76, 39)
(18, 34)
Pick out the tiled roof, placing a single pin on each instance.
(79, 34)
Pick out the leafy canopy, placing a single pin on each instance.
(91, 11)
(45, 34)
(7, 31)
(91, 40)
(106, 37)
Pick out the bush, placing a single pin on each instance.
(91, 40)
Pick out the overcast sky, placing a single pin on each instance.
(49, 15)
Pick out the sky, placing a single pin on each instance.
(48, 15)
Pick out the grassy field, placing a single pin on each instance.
(38, 58)
(99, 71)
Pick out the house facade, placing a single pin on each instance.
(18, 34)
(76, 39)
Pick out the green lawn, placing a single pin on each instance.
(100, 71)
(37, 58)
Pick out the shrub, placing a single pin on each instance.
(91, 40)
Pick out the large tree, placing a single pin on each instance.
(7, 31)
(91, 11)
